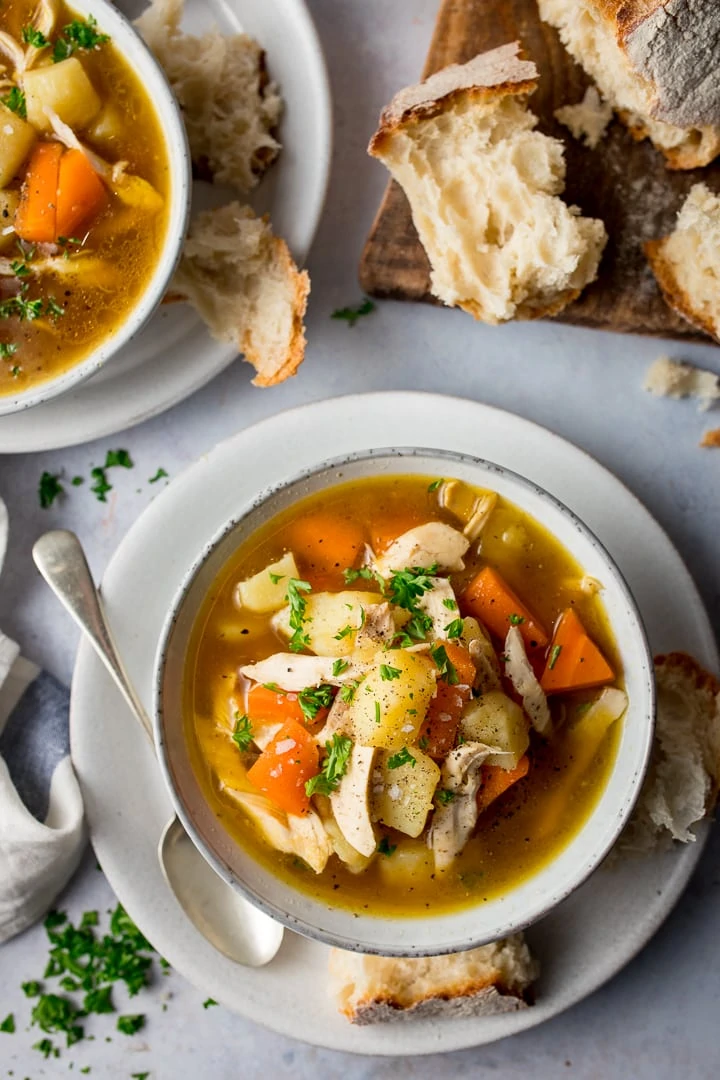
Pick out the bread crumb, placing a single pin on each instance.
(678, 379)
(588, 120)
(711, 438)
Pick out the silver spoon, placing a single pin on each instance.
(226, 919)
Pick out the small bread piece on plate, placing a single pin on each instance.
(230, 107)
(684, 776)
(492, 979)
(242, 280)
(687, 262)
(678, 379)
(656, 62)
(483, 188)
(588, 120)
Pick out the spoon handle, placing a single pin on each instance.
(61, 560)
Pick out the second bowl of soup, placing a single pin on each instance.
(94, 193)
(405, 702)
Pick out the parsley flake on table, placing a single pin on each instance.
(334, 766)
(101, 484)
(31, 989)
(403, 757)
(8, 1024)
(351, 315)
(139, 1076)
(159, 475)
(118, 457)
(131, 1024)
(49, 489)
(209, 1002)
(298, 605)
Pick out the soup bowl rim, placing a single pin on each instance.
(363, 924)
(150, 74)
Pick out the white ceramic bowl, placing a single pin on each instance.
(133, 48)
(429, 934)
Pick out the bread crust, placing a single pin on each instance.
(296, 348)
(689, 156)
(675, 296)
(489, 76)
(471, 1000)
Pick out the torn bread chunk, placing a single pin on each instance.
(655, 62)
(686, 263)
(711, 439)
(493, 979)
(682, 782)
(483, 188)
(677, 379)
(243, 282)
(588, 120)
(230, 107)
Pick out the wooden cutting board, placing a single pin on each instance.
(623, 182)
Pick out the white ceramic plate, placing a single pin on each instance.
(174, 355)
(585, 941)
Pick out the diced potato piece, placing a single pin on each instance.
(407, 792)
(411, 862)
(65, 89)
(327, 617)
(9, 201)
(388, 712)
(262, 593)
(107, 125)
(16, 141)
(138, 193)
(496, 720)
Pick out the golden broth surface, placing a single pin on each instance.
(124, 243)
(524, 829)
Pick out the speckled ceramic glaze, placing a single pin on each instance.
(488, 920)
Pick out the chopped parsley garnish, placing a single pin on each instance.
(118, 457)
(46, 1048)
(31, 989)
(53, 309)
(451, 605)
(139, 1076)
(298, 606)
(455, 628)
(334, 766)
(275, 578)
(414, 631)
(385, 847)
(209, 1002)
(339, 666)
(274, 687)
(159, 475)
(424, 742)
(129, 1025)
(34, 37)
(49, 489)
(99, 1001)
(79, 34)
(19, 307)
(444, 665)
(444, 797)
(377, 712)
(7, 349)
(364, 572)
(101, 484)
(20, 269)
(242, 734)
(15, 101)
(435, 484)
(347, 692)
(554, 654)
(388, 673)
(403, 757)
(55, 1014)
(77, 481)
(312, 700)
(344, 632)
(8, 1024)
(407, 586)
(351, 315)
(516, 620)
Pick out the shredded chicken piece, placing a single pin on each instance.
(350, 802)
(432, 544)
(295, 672)
(481, 514)
(378, 626)
(432, 603)
(519, 670)
(295, 834)
(15, 54)
(453, 823)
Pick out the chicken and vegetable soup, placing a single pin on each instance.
(84, 183)
(403, 695)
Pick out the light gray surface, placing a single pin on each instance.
(659, 1017)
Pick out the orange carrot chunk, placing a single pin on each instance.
(285, 765)
(386, 528)
(439, 730)
(496, 781)
(491, 600)
(81, 194)
(276, 706)
(325, 544)
(574, 661)
(35, 219)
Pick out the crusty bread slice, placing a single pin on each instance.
(687, 262)
(244, 283)
(483, 187)
(684, 775)
(492, 979)
(656, 62)
(678, 379)
(230, 108)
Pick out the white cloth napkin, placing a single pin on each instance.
(42, 834)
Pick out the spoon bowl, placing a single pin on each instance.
(230, 923)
